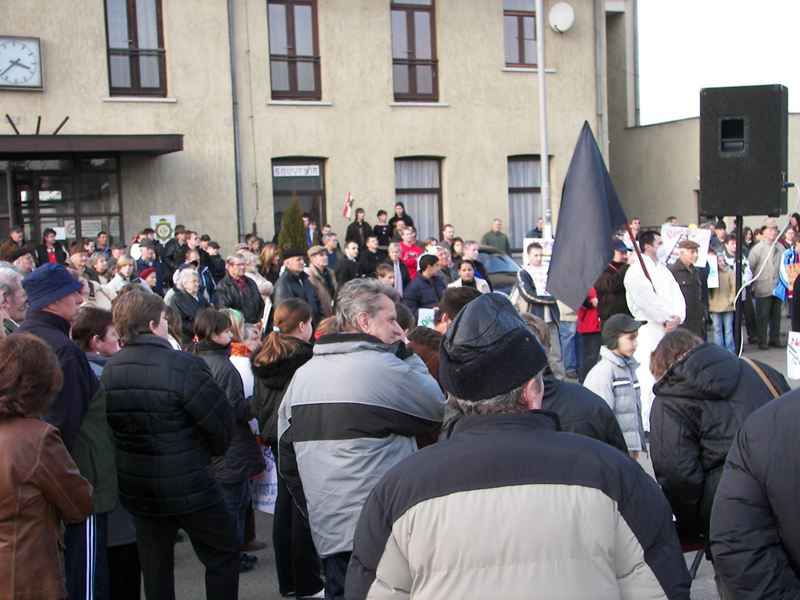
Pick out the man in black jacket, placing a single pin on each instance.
(294, 283)
(169, 418)
(371, 256)
(755, 524)
(579, 409)
(239, 291)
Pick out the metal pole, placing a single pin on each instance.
(237, 164)
(544, 154)
(737, 317)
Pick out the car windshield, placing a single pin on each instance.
(498, 263)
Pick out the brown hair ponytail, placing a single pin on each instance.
(287, 318)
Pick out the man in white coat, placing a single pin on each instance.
(657, 300)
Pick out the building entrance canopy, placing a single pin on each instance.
(22, 146)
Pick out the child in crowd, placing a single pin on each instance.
(613, 378)
(720, 305)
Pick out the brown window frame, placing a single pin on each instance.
(133, 53)
(292, 59)
(412, 62)
(289, 161)
(520, 16)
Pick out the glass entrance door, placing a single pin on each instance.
(77, 197)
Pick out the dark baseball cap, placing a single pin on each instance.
(616, 325)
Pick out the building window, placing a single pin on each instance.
(416, 183)
(414, 51)
(524, 196)
(301, 178)
(78, 197)
(294, 49)
(137, 64)
(519, 25)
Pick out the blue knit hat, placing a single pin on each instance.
(49, 283)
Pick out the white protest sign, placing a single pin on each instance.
(672, 235)
(547, 249)
(425, 318)
(793, 355)
(265, 489)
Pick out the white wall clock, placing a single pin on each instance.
(20, 63)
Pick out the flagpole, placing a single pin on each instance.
(544, 154)
(639, 254)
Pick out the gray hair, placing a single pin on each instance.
(358, 296)
(186, 274)
(249, 257)
(470, 243)
(394, 246)
(10, 280)
(506, 403)
(328, 236)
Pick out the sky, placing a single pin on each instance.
(686, 45)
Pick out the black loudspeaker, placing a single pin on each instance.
(743, 150)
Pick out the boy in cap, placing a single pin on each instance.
(614, 379)
(508, 506)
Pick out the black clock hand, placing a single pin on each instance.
(8, 68)
(14, 63)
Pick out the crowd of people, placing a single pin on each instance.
(139, 384)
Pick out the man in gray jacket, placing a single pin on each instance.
(767, 253)
(349, 415)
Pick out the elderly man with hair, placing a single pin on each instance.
(15, 301)
(240, 292)
(508, 506)
(349, 415)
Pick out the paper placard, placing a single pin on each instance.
(793, 355)
(61, 232)
(547, 250)
(425, 317)
(672, 235)
(265, 489)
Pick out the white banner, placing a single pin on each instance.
(793, 355)
(672, 235)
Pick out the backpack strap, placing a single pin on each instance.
(762, 375)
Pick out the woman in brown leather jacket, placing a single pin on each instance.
(39, 482)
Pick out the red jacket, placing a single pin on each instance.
(588, 318)
(409, 255)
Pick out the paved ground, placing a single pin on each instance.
(261, 583)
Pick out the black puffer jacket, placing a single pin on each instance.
(168, 417)
(188, 306)
(271, 382)
(242, 459)
(755, 525)
(581, 411)
(699, 405)
(248, 301)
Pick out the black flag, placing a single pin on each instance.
(590, 214)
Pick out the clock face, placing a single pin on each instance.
(20, 63)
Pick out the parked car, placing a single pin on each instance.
(502, 269)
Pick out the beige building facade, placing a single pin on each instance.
(220, 113)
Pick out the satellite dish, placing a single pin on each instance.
(561, 17)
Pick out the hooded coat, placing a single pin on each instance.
(699, 405)
(755, 525)
(271, 381)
